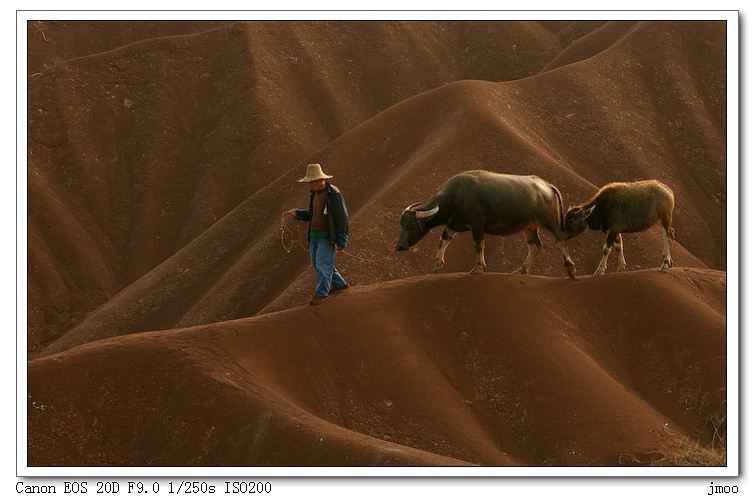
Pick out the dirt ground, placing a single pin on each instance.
(168, 322)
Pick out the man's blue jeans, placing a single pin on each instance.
(322, 253)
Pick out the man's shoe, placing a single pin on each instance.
(315, 300)
(339, 289)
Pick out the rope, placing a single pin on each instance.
(386, 258)
(284, 229)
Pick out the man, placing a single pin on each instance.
(328, 231)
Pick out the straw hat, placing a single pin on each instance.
(314, 173)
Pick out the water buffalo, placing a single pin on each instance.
(625, 208)
(488, 203)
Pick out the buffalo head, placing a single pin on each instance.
(413, 226)
(575, 221)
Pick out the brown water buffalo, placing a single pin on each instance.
(625, 208)
(493, 204)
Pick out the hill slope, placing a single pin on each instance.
(452, 369)
(141, 136)
(166, 292)
(99, 224)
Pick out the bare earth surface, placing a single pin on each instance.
(168, 322)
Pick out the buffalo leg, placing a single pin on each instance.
(555, 230)
(610, 240)
(619, 246)
(533, 247)
(668, 239)
(445, 239)
(570, 267)
(479, 245)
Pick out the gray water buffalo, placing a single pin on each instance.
(625, 208)
(493, 204)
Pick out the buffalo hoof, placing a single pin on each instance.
(436, 269)
(599, 273)
(519, 271)
(663, 270)
(477, 270)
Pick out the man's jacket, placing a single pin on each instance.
(338, 216)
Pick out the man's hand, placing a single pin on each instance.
(292, 213)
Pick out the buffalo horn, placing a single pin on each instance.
(411, 207)
(430, 213)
